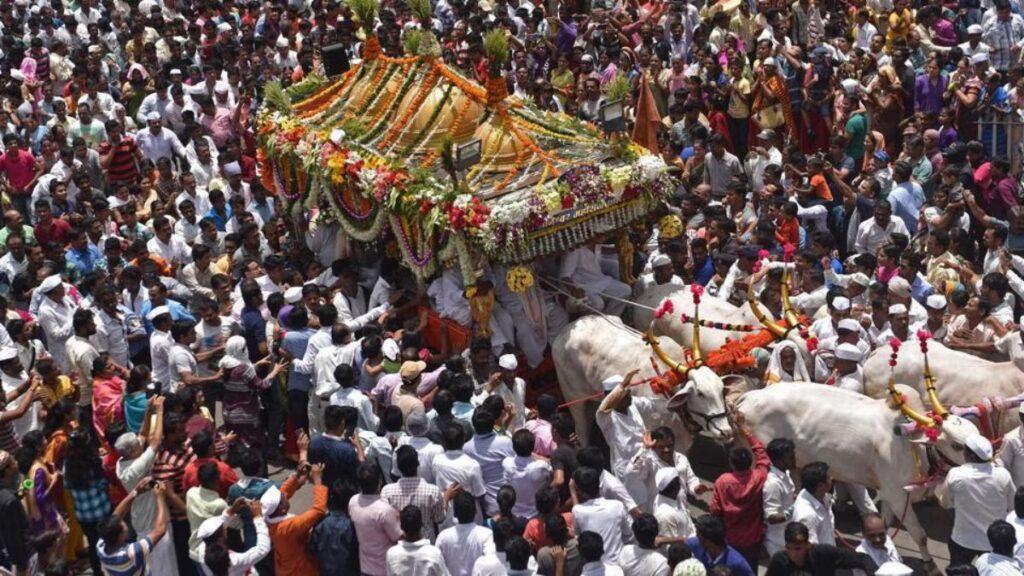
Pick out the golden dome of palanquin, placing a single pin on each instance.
(393, 84)
(447, 111)
(499, 146)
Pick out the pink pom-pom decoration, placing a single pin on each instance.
(787, 252)
(895, 344)
(666, 308)
(697, 291)
(763, 254)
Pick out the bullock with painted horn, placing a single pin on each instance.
(865, 441)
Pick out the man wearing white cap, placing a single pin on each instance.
(900, 292)
(899, 326)
(935, 306)
(1012, 452)
(212, 536)
(825, 328)
(674, 522)
(659, 453)
(285, 59)
(510, 387)
(157, 142)
(236, 186)
(847, 372)
(55, 313)
(662, 273)
(760, 156)
(979, 493)
(156, 102)
(974, 45)
(620, 419)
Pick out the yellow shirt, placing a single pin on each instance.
(50, 396)
(738, 108)
(899, 27)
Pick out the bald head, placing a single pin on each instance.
(12, 218)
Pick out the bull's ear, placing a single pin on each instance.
(678, 400)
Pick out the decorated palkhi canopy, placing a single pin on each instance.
(372, 144)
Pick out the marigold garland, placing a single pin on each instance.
(426, 88)
(519, 279)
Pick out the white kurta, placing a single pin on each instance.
(56, 321)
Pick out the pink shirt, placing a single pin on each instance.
(377, 529)
(19, 168)
(220, 126)
(543, 444)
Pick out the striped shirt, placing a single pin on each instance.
(122, 166)
(170, 467)
(131, 560)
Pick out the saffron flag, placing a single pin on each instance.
(648, 121)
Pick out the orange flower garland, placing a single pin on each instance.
(323, 98)
(383, 108)
(428, 83)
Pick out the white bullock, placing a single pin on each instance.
(593, 348)
(960, 379)
(855, 435)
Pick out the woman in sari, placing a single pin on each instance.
(241, 391)
(107, 394)
(770, 89)
(785, 365)
(886, 104)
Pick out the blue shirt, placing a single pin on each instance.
(705, 273)
(295, 342)
(489, 450)
(730, 557)
(333, 543)
(130, 560)
(221, 222)
(86, 261)
(906, 200)
(920, 289)
(338, 456)
(178, 312)
(254, 328)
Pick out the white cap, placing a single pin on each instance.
(293, 295)
(840, 303)
(390, 349)
(980, 445)
(221, 88)
(661, 260)
(224, 27)
(690, 567)
(897, 309)
(49, 283)
(769, 61)
(899, 286)
(232, 169)
(979, 58)
(508, 362)
(282, 42)
(848, 351)
(175, 72)
(209, 527)
(269, 501)
(95, 49)
(665, 476)
(158, 311)
(974, 29)
(850, 85)
(849, 324)
(860, 279)
(611, 382)
(894, 569)
(8, 353)
(936, 302)
(153, 117)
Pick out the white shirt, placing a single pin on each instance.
(888, 553)
(646, 464)
(350, 307)
(613, 489)
(673, 517)
(515, 395)
(527, 475)
(979, 493)
(55, 319)
(420, 558)
(176, 252)
(1018, 528)
(609, 519)
(637, 561)
(130, 473)
(992, 564)
(29, 421)
(453, 466)
(462, 544)
(180, 360)
(583, 266)
(779, 496)
(160, 344)
(164, 144)
(816, 516)
(241, 563)
(1012, 455)
(81, 354)
(355, 398)
(870, 236)
(601, 569)
(12, 267)
(624, 432)
(426, 450)
(112, 336)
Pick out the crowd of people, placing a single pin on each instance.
(173, 331)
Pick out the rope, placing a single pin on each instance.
(552, 281)
(583, 303)
(659, 383)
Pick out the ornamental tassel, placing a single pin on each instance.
(481, 303)
(624, 248)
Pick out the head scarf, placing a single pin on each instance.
(776, 373)
(235, 354)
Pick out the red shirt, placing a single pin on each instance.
(737, 500)
(57, 232)
(190, 478)
(19, 168)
